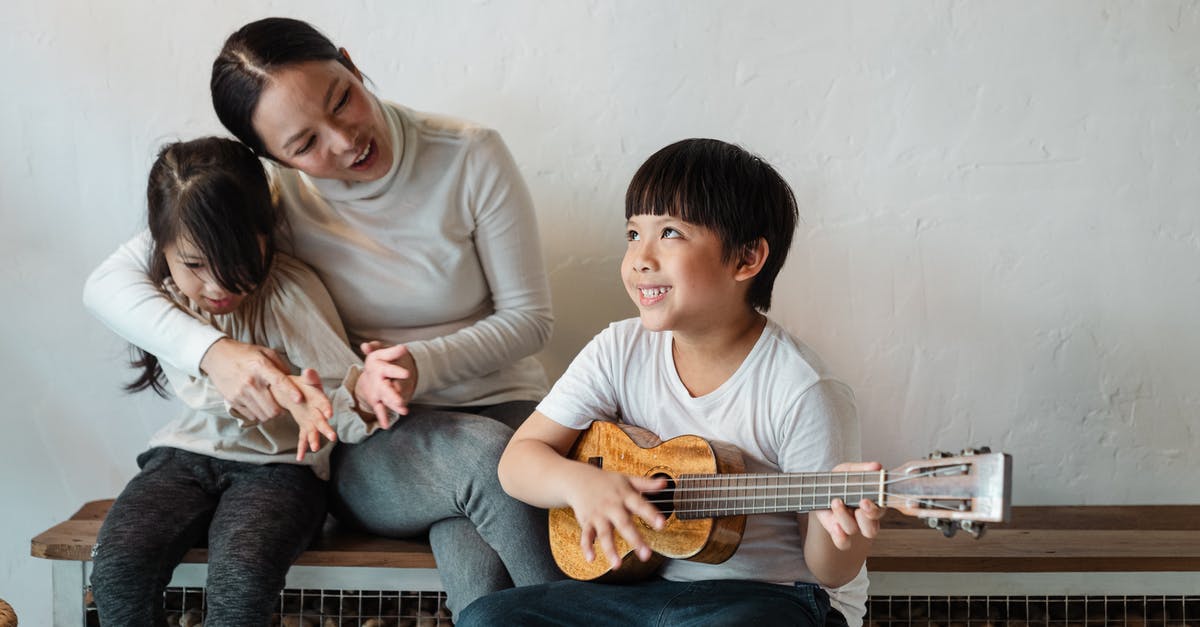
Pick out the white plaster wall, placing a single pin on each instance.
(1000, 240)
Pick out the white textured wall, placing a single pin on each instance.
(1000, 245)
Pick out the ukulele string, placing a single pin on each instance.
(704, 512)
(813, 487)
(793, 484)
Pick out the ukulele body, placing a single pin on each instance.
(635, 451)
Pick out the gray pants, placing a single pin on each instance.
(257, 519)
(434, 472)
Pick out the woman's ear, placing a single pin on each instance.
(751, 259)
(350, 64)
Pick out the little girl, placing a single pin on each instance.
(254, 490)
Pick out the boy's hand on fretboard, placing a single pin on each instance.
(843, 523)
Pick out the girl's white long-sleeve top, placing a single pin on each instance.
(290, 313)
(441, 254)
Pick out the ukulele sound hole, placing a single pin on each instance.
(665, 499)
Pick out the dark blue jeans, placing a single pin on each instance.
(657, 602)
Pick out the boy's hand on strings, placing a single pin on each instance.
(606, 502)
(252, 378)
(843, 523)
(311, 414)
(388, 380)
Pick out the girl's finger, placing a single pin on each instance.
(280, 385)
(327, 430)
(388, 370)
(381, 416)
(381, 412)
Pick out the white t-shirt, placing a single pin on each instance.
(780, 408)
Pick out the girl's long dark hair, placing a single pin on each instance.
(249, 56)
(213, 193)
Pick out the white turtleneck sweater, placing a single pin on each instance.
(441, 254)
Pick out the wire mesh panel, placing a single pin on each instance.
(390, 608)
(319, 608)
(1028, 611)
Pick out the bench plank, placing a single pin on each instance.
(73, 540)
(1107, 538)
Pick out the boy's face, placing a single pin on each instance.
(673, 271)
(190, 271)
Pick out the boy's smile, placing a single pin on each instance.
(651, 294)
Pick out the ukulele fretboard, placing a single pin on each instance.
(708, 496)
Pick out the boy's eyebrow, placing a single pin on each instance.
(655, 218)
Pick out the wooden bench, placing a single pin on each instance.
(1071, 547)
(338, 559)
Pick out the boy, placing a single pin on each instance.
(709, 226)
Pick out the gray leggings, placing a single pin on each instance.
(434, 472)
(257, 519)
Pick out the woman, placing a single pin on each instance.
(424, 233)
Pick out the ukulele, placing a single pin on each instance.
(708, 496)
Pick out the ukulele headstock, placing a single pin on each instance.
(953, 492)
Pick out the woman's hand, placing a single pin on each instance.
(843, 524)
(250, 378)
(388, 380)
(607, 502)
(311, 414)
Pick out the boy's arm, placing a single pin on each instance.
(837, 540)
(534, 468)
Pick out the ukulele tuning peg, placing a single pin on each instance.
(976, 451)
(940, 454)
(972, 527)
(946, 526)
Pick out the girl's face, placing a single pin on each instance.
(191, 273)
(318, 117)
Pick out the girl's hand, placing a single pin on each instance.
(311, 414)
(843, 524)
(608, 501)
(388, 380)
(251, 378)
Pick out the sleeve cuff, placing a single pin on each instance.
(427, 374)
(194, 346)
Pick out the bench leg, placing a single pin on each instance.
(69, 580)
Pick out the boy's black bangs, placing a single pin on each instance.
(668, 186)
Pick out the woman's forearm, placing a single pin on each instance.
(120, 295)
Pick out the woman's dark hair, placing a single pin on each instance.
(722, 187)
(246, 62)
(212, 193)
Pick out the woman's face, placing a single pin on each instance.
(318, 117)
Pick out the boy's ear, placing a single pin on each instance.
(751, 260)
(353, 68)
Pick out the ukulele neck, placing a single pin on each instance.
(710, 496)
